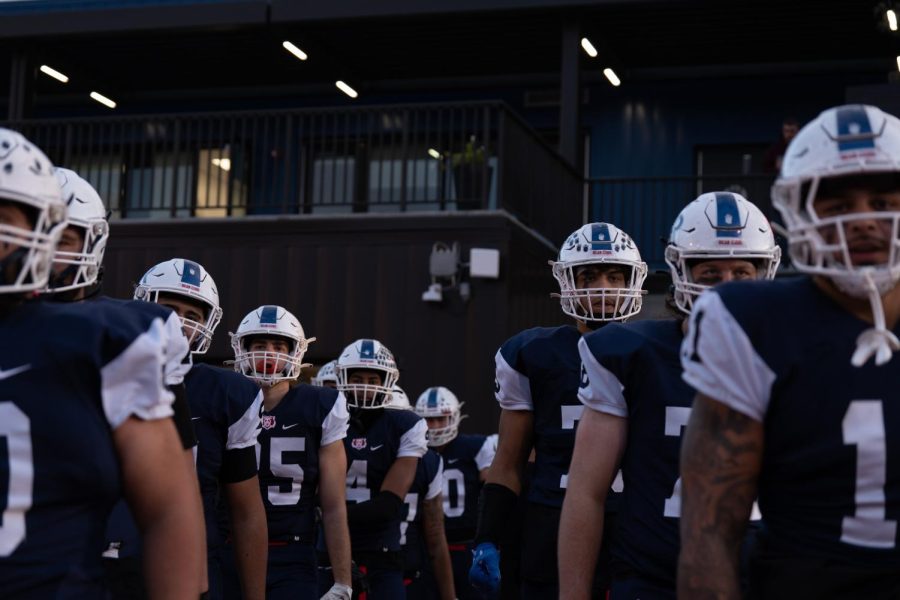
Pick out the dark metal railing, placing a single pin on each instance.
(433, 157)
(646, 207)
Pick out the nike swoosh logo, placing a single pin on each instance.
(12, 372)
(194, 418)
(289, 426)
(452, 460)
(374, 448)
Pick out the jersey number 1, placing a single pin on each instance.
(863, 427)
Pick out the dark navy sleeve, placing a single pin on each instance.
(720, 361)
(605, 355)
(244, 409)
(336, 418)
(434, 473)
(412, 435)
(131, 376)
(512, 387)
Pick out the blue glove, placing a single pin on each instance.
(485, 572)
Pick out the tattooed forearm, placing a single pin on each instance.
(436, 540)
(720, 460)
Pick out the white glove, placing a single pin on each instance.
(338, 591)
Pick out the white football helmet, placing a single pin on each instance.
(262, 366)
(326, 373)
(186, 278)
(852, 140)
(718, 226)
(842, 141)
(599, 244)
(86, 212)
(399, 399)
(440, 402)
(27, 181)
(367, 355)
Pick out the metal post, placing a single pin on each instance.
(569, 94)
(21, 86)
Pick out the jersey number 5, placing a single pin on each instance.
(278, 447)
(16, 428)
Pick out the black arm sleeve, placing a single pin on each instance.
(238, 464)
(495, 504)
(182, 417)
(384, 507)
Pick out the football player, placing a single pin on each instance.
(795, 382)
(300, 454)
(225, 410)
(326, 377)
(76, 276)
(600, 274)
(383, 448)
(637, 405)
(85, 415)
(422, 530)
(466, 461)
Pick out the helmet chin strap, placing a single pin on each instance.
(877, 341)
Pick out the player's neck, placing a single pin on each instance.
(585, 328)
(272, 396)
(860, 307)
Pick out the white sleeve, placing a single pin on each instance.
(335, 425)
(413, 441)
(436, 485)
(719, 360)
(600, 390)
(485, 455)
(133, 384)
(177, 352)
(513, 390)
(243, 432)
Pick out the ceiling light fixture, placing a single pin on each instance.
(346, 89)
(588, 47)
(54, 74)
(294, 50)
(892, 19)
(103, 100)
(613, 78)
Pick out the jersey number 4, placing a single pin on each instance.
(16, 428)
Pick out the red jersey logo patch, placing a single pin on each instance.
(268, 421)
(358, 443)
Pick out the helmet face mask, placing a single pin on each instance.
(78, 265)
(28, 187)
(847, 147)
(718, 226)
(440, 403)
(256, 361)
(186, 279)
(366, 374)
(604, 247)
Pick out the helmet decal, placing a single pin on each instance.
(854, 129)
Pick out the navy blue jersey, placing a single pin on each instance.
(426, 486)
(225, 408)
(370, 454)
(779, 352)
(69, 376)
(306, 419)
(634, 371)
(464, 458)
(122, 535)
(539, 370)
